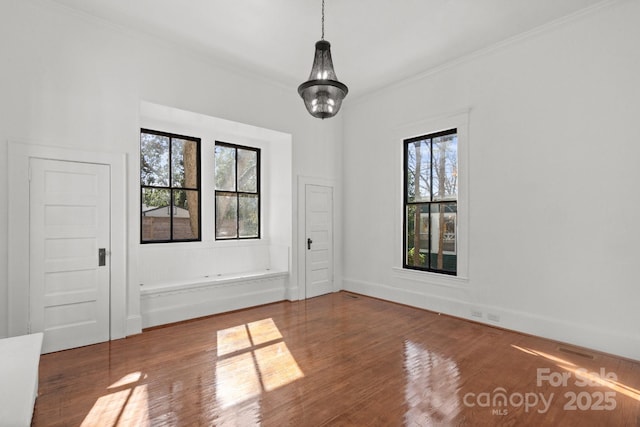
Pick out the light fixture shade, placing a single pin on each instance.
(323, 93)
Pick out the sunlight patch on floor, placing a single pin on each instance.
(263, 331)
(277, 366)
(125, 407)
(233, 339)
(128, 379)
(583, 374)
(252, 358)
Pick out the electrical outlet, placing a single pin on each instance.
(476, 313)
(493, 317)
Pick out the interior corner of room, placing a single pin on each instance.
(543, 225)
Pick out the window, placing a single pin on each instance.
(169, 187)
(430, 202)
(237, 176)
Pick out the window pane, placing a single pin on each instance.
(184, 163)
(185, 215)
(443, 236)
(248, 215)
(418, 171)
(225, 158)
(154, 160)
(156, 216)
(226, 216)
(445, 167)
(417, 235)
(247, 170)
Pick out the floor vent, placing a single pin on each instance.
(576, 352)
(351, 296)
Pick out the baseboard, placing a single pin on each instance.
(606, 341)
(134, 325)
(292, 293)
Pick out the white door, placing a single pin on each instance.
(69, 227)
(319, 240)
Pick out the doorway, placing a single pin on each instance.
(318, 240)
(69, 263)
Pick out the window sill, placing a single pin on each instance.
(430, 278)
(204, 244)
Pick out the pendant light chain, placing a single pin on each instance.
(322, 20)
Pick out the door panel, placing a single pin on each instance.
(69, 222)
(319, 228)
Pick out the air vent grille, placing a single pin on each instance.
(576, 352)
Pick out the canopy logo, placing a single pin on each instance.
(499, 401)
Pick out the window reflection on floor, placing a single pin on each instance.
(431, 390)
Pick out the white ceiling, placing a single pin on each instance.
(374, 42)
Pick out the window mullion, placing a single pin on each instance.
(237, 194)
(171, 201)
(430, 227)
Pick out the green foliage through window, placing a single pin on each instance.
(430, 207)
(237, 198)
(169, 187)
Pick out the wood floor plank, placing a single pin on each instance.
(335, 360)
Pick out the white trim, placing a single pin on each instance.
(419, 299)
(18, 239)
(608, 341)
(431, 278)
(460, 120)
(303, 181)
(134, 324)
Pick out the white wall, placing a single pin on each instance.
(72, 81)
(554, 131)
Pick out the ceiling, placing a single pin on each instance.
(374, 42)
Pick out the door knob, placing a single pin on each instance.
(309, 242)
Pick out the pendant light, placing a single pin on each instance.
(323, 93)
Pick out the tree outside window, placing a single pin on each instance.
(170, 187)
(430, 194)
(237, 198)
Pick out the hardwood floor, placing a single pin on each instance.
(341, 360)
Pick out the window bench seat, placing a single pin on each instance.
(208, 281)
(19, 362)
(174, 301)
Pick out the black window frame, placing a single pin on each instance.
(239, 193)
(430, 203)
(172, 136)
